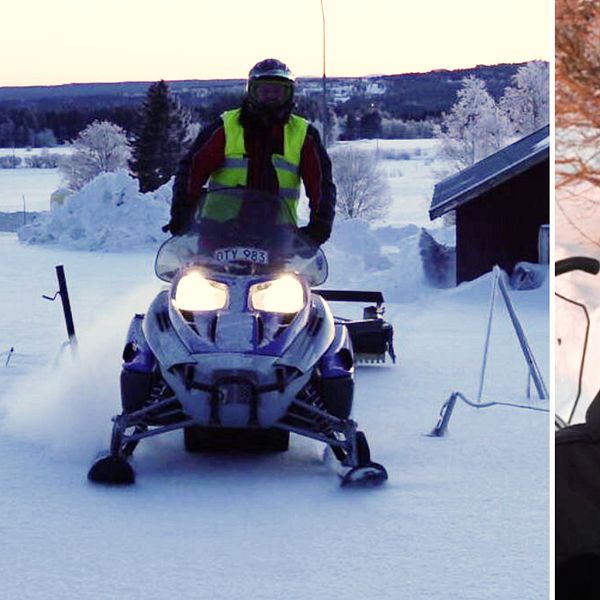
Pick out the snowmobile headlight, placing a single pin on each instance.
(196, 293)
(283, 295)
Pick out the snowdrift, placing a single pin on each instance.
(108, 214)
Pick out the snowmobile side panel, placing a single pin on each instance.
(308, 347)
(338, 361)
(337, 395)
(135, 389)
(165, 344)
(137, 356)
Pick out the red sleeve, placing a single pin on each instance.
(311, 172)
(207, 159)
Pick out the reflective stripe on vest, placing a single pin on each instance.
(234, 169)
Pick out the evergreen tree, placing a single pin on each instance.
(160, 140)
(351, 127)
(370, 124)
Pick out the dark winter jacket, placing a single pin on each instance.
(208, 152)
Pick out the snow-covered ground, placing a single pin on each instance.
(28, 189)
(465, 516)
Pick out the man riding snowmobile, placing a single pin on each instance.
(262, 146)
(240, 351)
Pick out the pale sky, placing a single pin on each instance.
(46, 42)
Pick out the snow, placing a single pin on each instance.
(29, 187)
(464, 516)
(109, 213)
(412, 168)
(25, 188)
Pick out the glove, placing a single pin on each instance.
(179, 223)
(317, 232)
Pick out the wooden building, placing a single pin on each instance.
(501, 203)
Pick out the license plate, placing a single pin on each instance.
(241, 253)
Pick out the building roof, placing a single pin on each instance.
(490, 172)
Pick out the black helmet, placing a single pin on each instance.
(270, 85)
(272, 69)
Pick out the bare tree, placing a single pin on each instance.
(577, 91)
(577, 75)
(102, 147)
(361, 184)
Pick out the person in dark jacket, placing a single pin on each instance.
(261, 146)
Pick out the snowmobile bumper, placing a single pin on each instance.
(372, 337)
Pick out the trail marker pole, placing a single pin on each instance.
(63, 292)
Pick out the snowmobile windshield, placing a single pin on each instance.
(242, 232)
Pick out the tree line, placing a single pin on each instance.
(476, 126)
(410, 106)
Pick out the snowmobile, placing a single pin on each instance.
(239, 351)
(577, 477)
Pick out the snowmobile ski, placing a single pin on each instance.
(370, 475)
(112, 470)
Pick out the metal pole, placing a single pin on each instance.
(66, 304)
(9, 356)
(487, 336)
(325, 114)
(442, 424)
(536, 374)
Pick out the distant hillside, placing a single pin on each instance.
(418, 85)
(421, 95)
(124, 93)
(37, 115)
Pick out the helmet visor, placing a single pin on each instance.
(270, 92)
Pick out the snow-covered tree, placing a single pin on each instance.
(526, 105)
(160, 140)
(474, 128)
(362, 190)
(102, 147)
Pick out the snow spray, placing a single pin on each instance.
(68, 407)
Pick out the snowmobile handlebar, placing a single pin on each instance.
(577, 263)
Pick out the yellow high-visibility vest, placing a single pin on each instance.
(234, 170)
